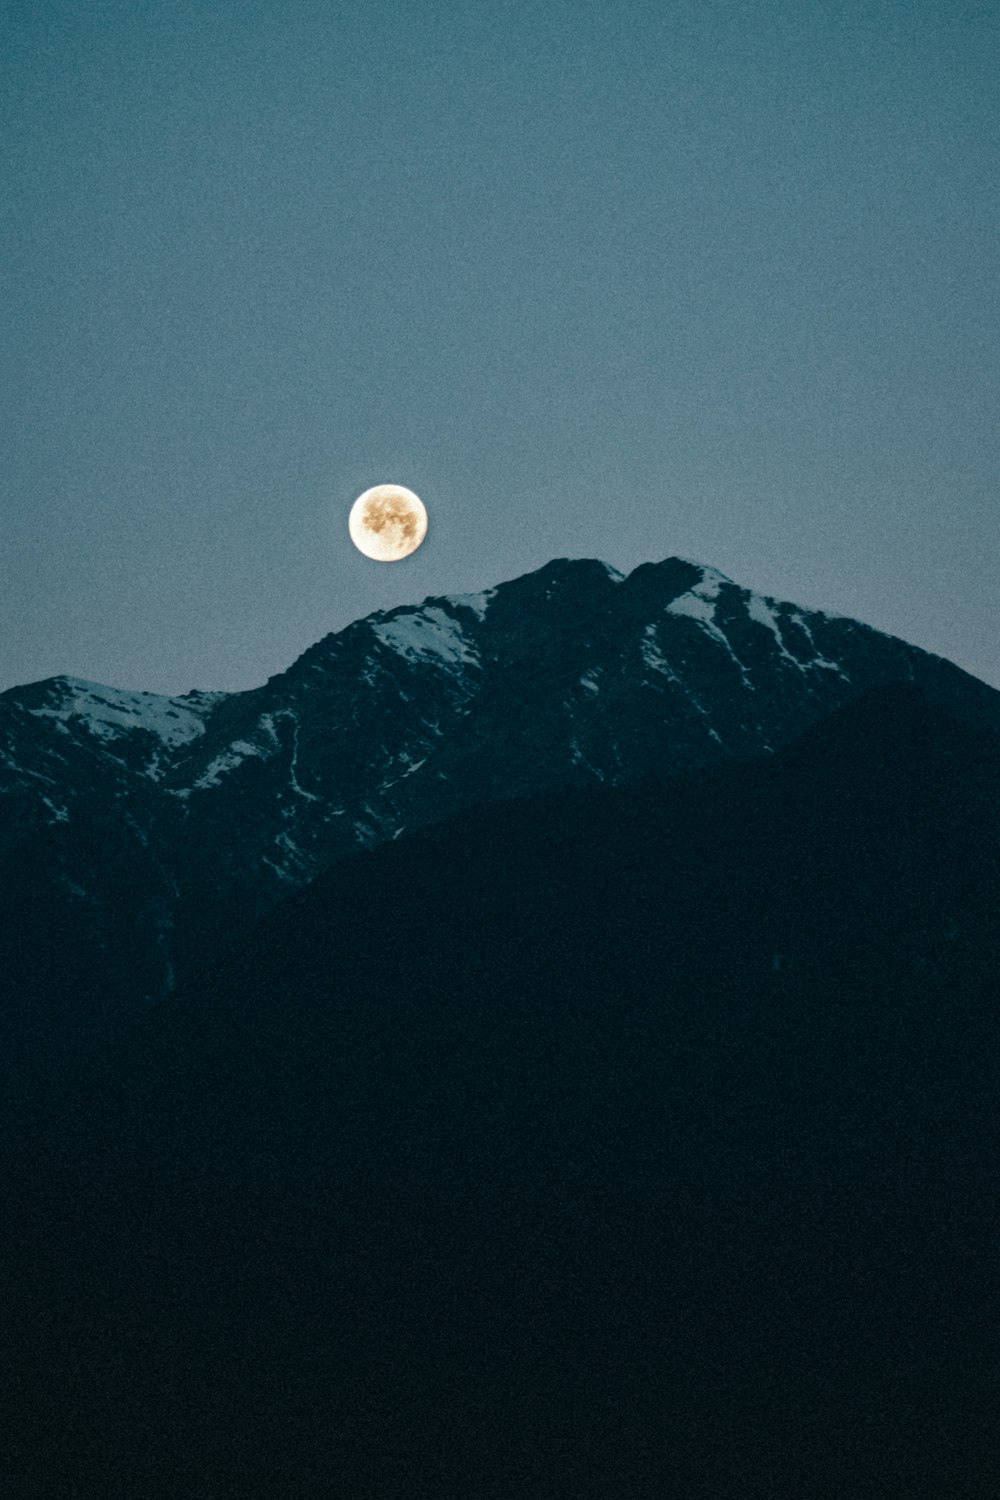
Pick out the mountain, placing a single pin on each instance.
(606, 1143)
(138, 828)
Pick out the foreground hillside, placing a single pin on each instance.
(618, 1143)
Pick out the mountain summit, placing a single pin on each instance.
(139, 827)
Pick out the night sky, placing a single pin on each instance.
(595, 279)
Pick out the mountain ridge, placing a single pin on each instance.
(145, 824)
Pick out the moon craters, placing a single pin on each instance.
(388, 522)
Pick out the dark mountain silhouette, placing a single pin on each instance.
(138, 828)
(608, 1142)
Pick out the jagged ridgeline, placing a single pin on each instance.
(139, 830)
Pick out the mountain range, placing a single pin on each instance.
(599, 1103)
(137, 828)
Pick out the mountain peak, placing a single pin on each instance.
(573, 574)
(589, 567)
(218, 804)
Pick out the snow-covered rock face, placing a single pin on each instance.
(108, 713)
(701, 603)
(478, 603)
(429, 635)
(185, 816)
(112, 715)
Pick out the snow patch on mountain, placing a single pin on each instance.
(710, 582)
(654, 659)
(427, 635)
(110, 713)
(410, 765)
(698, 607)
(759, 609)
(698, 604)
(292, 865)
(818, 660)
(228, 760)
(577, 758)
(653, 656)
(297, 788)
(478, 603)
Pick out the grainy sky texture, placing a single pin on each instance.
(615, 280)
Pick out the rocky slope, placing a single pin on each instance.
(612, 1143)
(136, 828)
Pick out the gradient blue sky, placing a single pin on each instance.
(596, 279)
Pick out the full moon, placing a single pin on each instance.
(387, 522)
